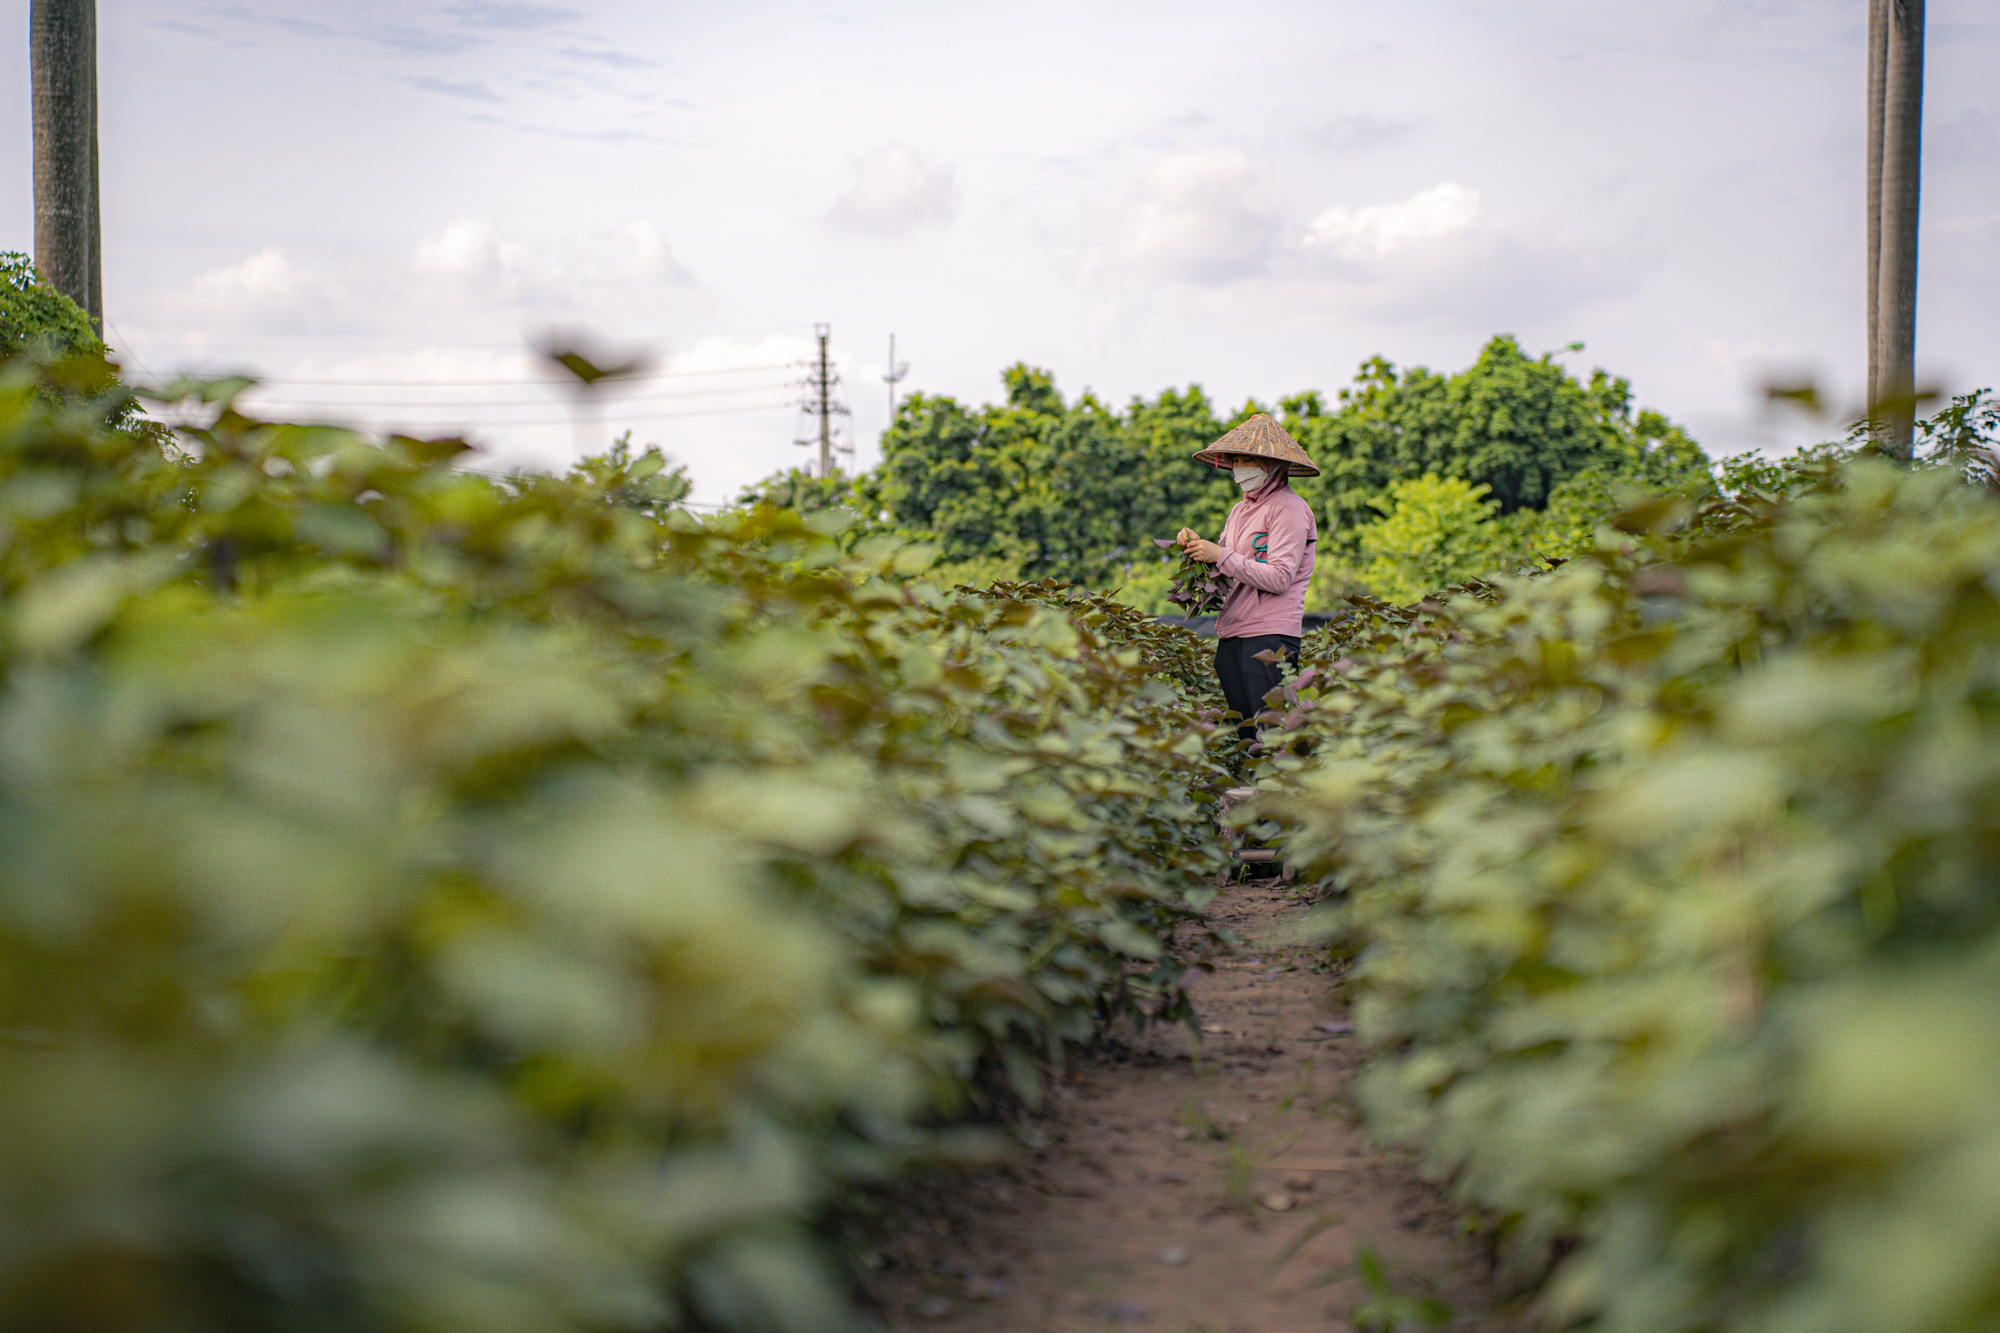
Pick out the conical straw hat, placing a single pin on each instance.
(1264, 438)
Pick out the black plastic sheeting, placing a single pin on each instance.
(1205, 625)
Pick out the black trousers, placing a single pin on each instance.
(1245, 680)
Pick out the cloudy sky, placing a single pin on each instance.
(379, 206)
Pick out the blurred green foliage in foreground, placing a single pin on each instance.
(1673, 881)
(434, 903)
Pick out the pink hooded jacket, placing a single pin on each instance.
(1269, 544)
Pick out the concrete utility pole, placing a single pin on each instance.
(821, 381)
(1895, 151)
(62, 47)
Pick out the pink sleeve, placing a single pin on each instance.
(1285, 551)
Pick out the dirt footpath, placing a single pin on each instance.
(1218, 1188)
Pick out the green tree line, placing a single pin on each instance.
(1426, 477)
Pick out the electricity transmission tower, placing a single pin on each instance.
(62, 52)
(893, 376)
(1895, 141)
(820, 382)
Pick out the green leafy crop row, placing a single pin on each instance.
(1673, 881)
(434, 903)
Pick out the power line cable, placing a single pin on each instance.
(503, 384)
(467, 424)
(259, 394)
(128, 351)
(372, 345)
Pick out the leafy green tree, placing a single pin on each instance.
(1519, 425)
(1434, 532)
(1965, 435)
(797, 489)
(39, 322)
(645, 483)
(1166, 431)
(950, 473)
(35, 316)
(1065, 490)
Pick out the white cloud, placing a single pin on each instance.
(1377, 231)
(562, 273)
(270, 291)
(650, 259)
(1439, 258)
(895, 191)
(468, 249)
(1434, 259)
(1202, 217)
(267, 278)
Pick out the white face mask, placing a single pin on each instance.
(1248, 475)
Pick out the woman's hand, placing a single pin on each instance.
(1197, 546)
(1200, 548)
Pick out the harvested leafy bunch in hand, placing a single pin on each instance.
(1198, 589)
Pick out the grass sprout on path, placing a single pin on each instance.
(1388, 1307)
(1318, 1226)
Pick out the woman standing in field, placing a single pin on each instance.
(1268, 545)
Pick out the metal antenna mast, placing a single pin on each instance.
(897, 369)
(820, 383)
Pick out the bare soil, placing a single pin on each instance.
(1219, 1186)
